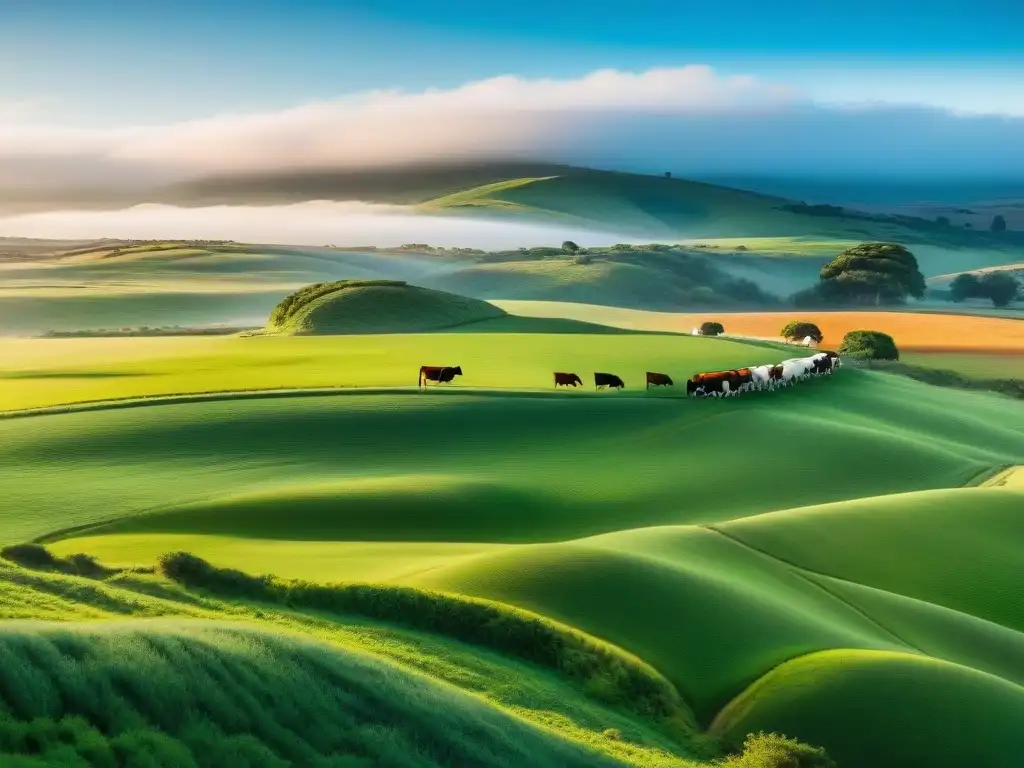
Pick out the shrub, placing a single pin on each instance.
(800, 329)
(869, 345)
(30, 556)
(38, 557)
(965, 286)
(582, 259)
(570, 247)
(771, 750)
(1001, 287)
(711, 329)
(603, 673)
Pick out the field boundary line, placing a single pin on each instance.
(801, 572)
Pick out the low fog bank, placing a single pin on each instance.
(311, 223)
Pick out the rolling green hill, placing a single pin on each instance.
(375, 306)
(569, 558)
(865, 705)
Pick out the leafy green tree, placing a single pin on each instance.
(1001, 287)
(570, 247)
(872, 273)
(869, 345)
(711, 329)
(998, 223)
(965, 286)
(800, 329)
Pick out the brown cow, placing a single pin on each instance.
(719, 383)
(658, 380)
(442, 374)
(567, 380)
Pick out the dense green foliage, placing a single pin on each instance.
(711, 328)
(999, 286)
(872, 273)
(797, 330)
(202, 694)
(869, 345)
(609, 676)
(38, 556)
(772, 750)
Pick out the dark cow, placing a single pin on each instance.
(602, 380)
(719, 383)
(567, 380)
(442, 374)
(821, 365)
(658, 380)
(833, 359)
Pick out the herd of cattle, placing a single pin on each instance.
(713, 384)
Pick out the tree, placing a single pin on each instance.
(570, 247)
(668, 174)
(942, 221)
(872, 273)
(711, 329)
(801, 329)
(1000, 287)
(998, 223)
(869, 345)
(965, 286)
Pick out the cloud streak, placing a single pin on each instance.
(689, 120)
(312, 223)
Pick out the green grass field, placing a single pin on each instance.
(824, 561)
(973, 366)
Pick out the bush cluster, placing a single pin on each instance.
(38, 557)
(604, 674)
(772, 750)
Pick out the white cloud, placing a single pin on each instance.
(689, 120)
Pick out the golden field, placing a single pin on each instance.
(912, 331)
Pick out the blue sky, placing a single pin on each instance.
(100, 61)
(132, 90)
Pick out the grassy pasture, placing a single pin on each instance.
(38, 373)
(920, 531)
(544, 467)
(974, 366)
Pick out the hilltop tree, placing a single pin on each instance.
(711, 329)
(965, 286)
(1001, 287)
(570, 247)
(801, 329)
(998, 223)
(869, 345)
(872, 273)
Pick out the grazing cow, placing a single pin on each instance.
(833, 358)
(567, 380)
(602, 380)
(658, 380)
(766, 376)
(442, 374)
(793, 371)
(821, 364)
(720, 383)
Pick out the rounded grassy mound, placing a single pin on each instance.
(191, 693)
(375, 306)
(875, 709)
